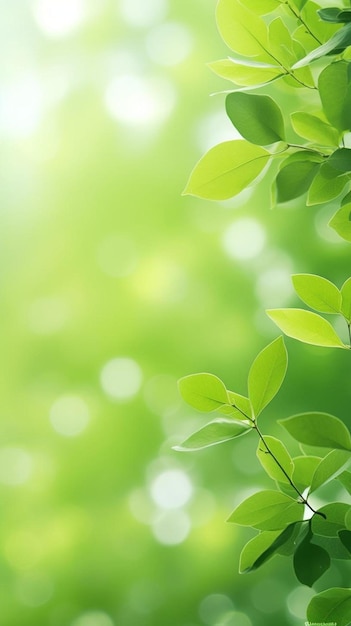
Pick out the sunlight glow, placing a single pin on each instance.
(121, 378)
(16, 466)
(244, 239)
(169, 43)
(17, 120)
(171, 527)
(139, 13)
(171, 489)
(136, 100)
(117, 255)
(58, 18)
(69, 416)
(34, 589)
(93, 618)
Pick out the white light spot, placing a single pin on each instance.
(117, 256)
(69, 416)
(213, 607)
(139, 13)
(171, 527)
(47, 315)
(34, 590)
(16, 466)
(121, 378)
(58, 18)
(234, 618)
(93, 618)
(161, 280)
(298, 601)
(21, 106)
(135, 100)
(171, 489)
(169, 44)
(244, 239)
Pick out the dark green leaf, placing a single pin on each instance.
(257, 118)
(333, 605)
(333, 546)
(334, 520)
(217, 431)
(345, 538)
(341, 160)
(296, 175)
(263, 547)
(333, 14)
(310, 561)
(318, 429)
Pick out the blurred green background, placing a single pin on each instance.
(114, 286)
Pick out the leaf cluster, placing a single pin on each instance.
(274, 41)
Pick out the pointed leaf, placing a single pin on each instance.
(246, 74)
(329, 467)
(333, 14)
(326, 185)
(262, 7)
(345, 479)
(333, 605)
(340, 40)
(318, 429)
(345, 538)
(227, 169)
(317, 292)
(340, 160)
(257, 118)
(333, 521)
(296, 175)
(310, 561)
(335, 93)
(204, 392)
(281, 466)
(280, 42)
(341, 222)
(304, 468)
(333, 546)
(314, 129)
(305, 326)
(263, 547)
(242, 30)
(267, 510)
(240, 404)
(217, 431)
(346, 298)
(267, 374)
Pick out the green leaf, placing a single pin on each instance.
(304, 468)
(257, 118)
(217, 431)
(341, 222)
(267, 374)
(226, 169)
(348, 519)
(345, 479)
(317, 292)
(204, 392)
(262, 7)
(335, 93)
(340, 160)
(280, 42)
(296, 175)
(245, 73)
(335, 15)
(281, 455)
(333, 546)
(240, 406)
(242, 30)
(262, 547)
(345, 538)
(333, 605)
(310, 561)
(255, 548)
(334, 519)
(346, 298)
(338, 42)
(314, 129)
(329, 467)
(267, 510)
(305, 326)
(326, 185)
(322, 30)
(318, 429)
